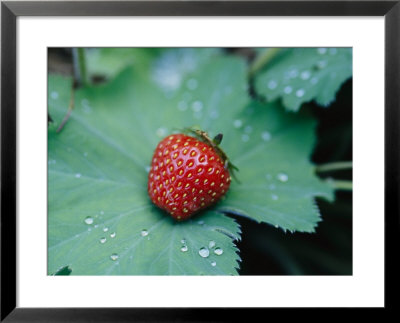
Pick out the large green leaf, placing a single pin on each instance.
(101, 220)
(301, 75)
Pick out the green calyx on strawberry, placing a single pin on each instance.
(188, 173)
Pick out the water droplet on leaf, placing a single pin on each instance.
(161, 132)
(248, 129)
(293, 73)
(218, 251)
(321, 64)
(288, 89)
(272, 84)
(237, 123)
(245, 138)
(300, 93)
(204, 252)
(314, 80)
(114, 256)
(332, 51)
(266, 136)
(214, 114)
(283, 177)
(197, 106)
(89, 220)
(305, 75)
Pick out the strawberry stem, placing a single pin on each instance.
(217, 139)
(203, 136)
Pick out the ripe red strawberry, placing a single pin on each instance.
(188, 174)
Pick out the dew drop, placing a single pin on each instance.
(237, 123)
(161, 132)
(266, 136)
(272, 84)
(321, 64)
(321, 51)
(184, 248)
(293, 73)
(183, 241)
(211, 244)
(148, 169)
(204, 252)
(332, 51)
(78, 175)
(274, 197)
(245, 138)
(283, 177)
(144, 233)
(214, 114)
(89, 220)
(314, 80)
(85, 154)
(248, 129)
(213, 263)
(54, 95)
(218, 251)
(305, 75)
(197, 106)
(112, 235)
(268, 176)
(300, 93)
(105, 229)
(114, 256)
(103, 240)
(288, 89)
(201, 222)
(272, 186)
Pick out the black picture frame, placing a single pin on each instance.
(10, 10)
